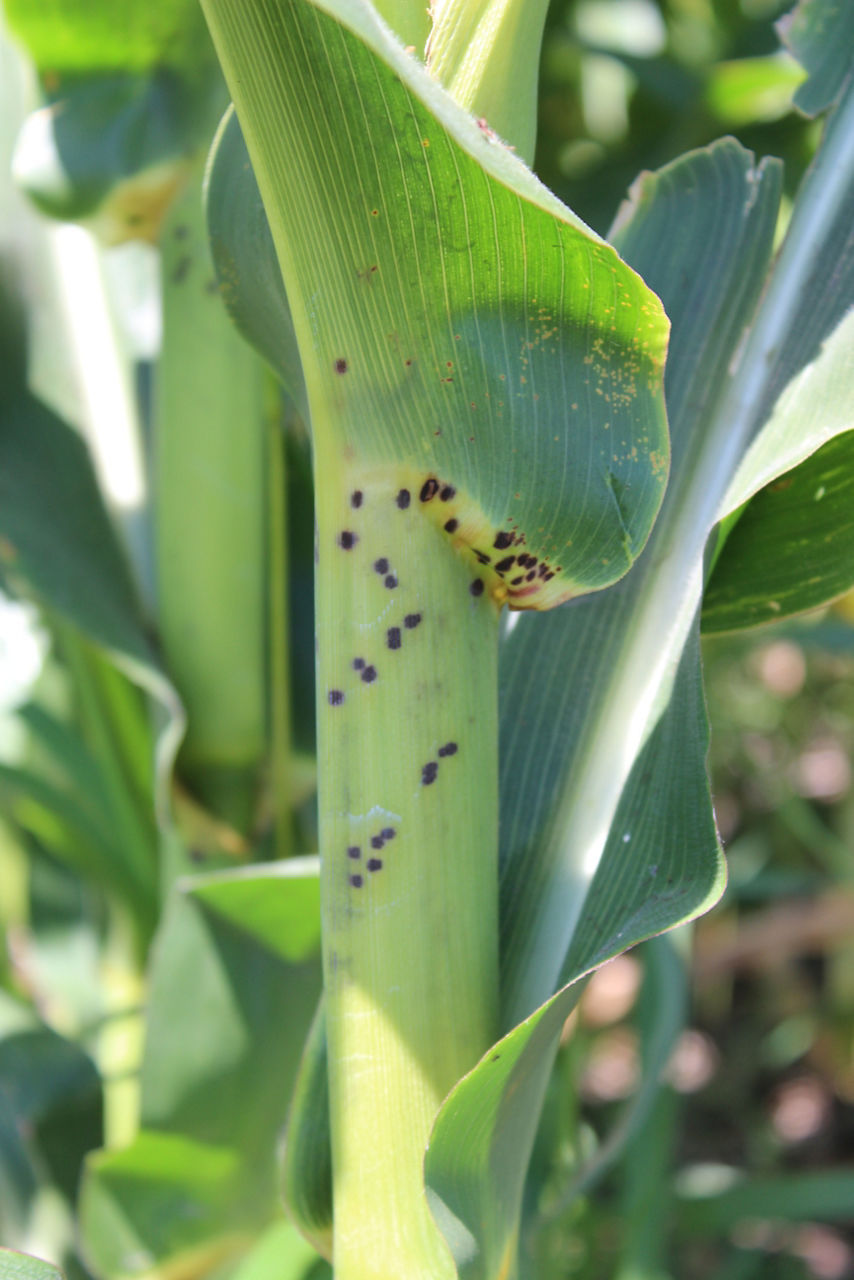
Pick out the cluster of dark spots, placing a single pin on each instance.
(503, 539)
(387, 833)
(526, 561)
(358, 663)
(411, 621)
(341, 365)
(403, 499)
(503, 565)
(381, 565)
(476, 587)
(449, 749)
(375, 864)
(392, 637)
(369, 675)
(354, 852)
(356, 498)
(347, 539)
(428, 772)
(356, 880)
(447, 493)
(336, 697)
(451, 526)
(429, 489)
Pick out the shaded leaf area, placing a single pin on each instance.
(282, 1252)
(22, 1266)
(307, 1161)
(454, 326)
(129, 96)
(817, 255)
(823, 1196)
(245, 259)
(792, 548)
(50, 1114)
(574, 889)
(227, 1017)
(820, 34)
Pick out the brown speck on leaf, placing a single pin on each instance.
(341, 366)
(388, 833)
(381, 565)
(347, 539)
(393, 637)
(358, 663)
(429, 489)
(447, 493)
(335, 697)
(476, 587)
(374, 864)
(356, 880)
(354, 852)
(403, 498)
(369, 675)
(428, 772)
(502, 566)
(390, 581)
(451, 526)
(449, 749)
(503, 540)
(411, 621)
(356, 498)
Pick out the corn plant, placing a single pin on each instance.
(541, 461)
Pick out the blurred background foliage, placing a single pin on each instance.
(761, 1080)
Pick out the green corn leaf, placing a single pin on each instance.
(556, 344)
(277, 904)
(820, 34)
(22, 1266)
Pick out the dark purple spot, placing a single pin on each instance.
(514, 582)
(340, 366)
(428, 772)
(530, 575)
(390, 581)
(503, 540)
(392, 637)
(429, 489)
(411, 621)
(354, 851)
(447, 493)
(451, 526)
(548, 577)
(543, 570)
(377, 842)
(503, 565)
(358, 663)
(347, 539)
(449, 749)
(388, 833)
(381, 565)
(375, 864)
(356, 881)
(476, 588)
(336, 697)
(402, 499)
(369, 675)
(356, 498)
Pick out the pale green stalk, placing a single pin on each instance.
(210, 494)
(407, 727)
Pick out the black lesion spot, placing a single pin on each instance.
(428, 772)
(375, 864)
(530, 575)
(503, 540)
(449, 749)
(390, 581)
(476, 587)
(429, 489)
(403, 499)
(503, 565)
(381, 565)
(369, 675)
(341, 366)
(356, 880)
(388, 833)
(447, 493)
(411, 621)
(514, 582)
(335, 697)
(484, 559)
(354, 852)
(356, 498)
(358, 663)
(377, 842)
(451, 526)
(393, 637)
(347, 539)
